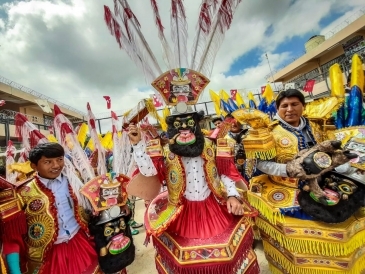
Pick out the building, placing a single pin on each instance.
(37, 107)
(322, 52)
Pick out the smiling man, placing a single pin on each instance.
(57, 237)
(292, 132)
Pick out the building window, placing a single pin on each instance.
(48, 121)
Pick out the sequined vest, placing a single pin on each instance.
(41, 213)
(287, 147)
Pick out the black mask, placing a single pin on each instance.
(106, 237)
(186, 133)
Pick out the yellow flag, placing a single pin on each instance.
(336, 78)
(214, 96)
(224, 95)
(251, 97)
(268, 94)
(239, 99)
(81, 136)
(217, 108)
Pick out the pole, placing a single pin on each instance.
(272, 76)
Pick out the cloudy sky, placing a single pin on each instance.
(63, 49)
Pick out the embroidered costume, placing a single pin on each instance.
(315, 227)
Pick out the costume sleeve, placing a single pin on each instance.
(272, 168)
(230, 186)
(143, 160)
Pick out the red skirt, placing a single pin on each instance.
(201, 219)
(77, 256)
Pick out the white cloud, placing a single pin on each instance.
(63, 49)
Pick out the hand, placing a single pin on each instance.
(126, 209)
(234, 206)
(134, 134)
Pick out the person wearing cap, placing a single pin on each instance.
(57, 239)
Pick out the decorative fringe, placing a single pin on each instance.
(205, 268)
(267, 154)
(313, 246)
(269, 213)
(224, 164)
(274, 270)
(289, 267)
(14, 226)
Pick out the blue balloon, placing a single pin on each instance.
(340, 117)
(354, 107)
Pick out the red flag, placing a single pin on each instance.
(233, 94)
(263, 89)
(108, 102)
(156, 101)
(308, 87)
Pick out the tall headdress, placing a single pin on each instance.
(183, 82)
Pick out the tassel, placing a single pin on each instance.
(13, 227)
(224, 164)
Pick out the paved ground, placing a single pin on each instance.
(144, 262)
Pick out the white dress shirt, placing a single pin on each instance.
(67, 224)
(196, 185)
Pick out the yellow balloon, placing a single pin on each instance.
(357, 73)
(336, 78)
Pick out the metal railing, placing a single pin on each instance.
(39, 95)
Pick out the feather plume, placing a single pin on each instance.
(27, 132)
(221, 24)
(135, 36)
(82, 134)
(75, 183)
(133, 52)
(68, 139)
(59, 119)
(116, 166)
(101, 168)
(74, 150)
(167, 53)
(126, 157)
(204, 27)
(179, 33)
